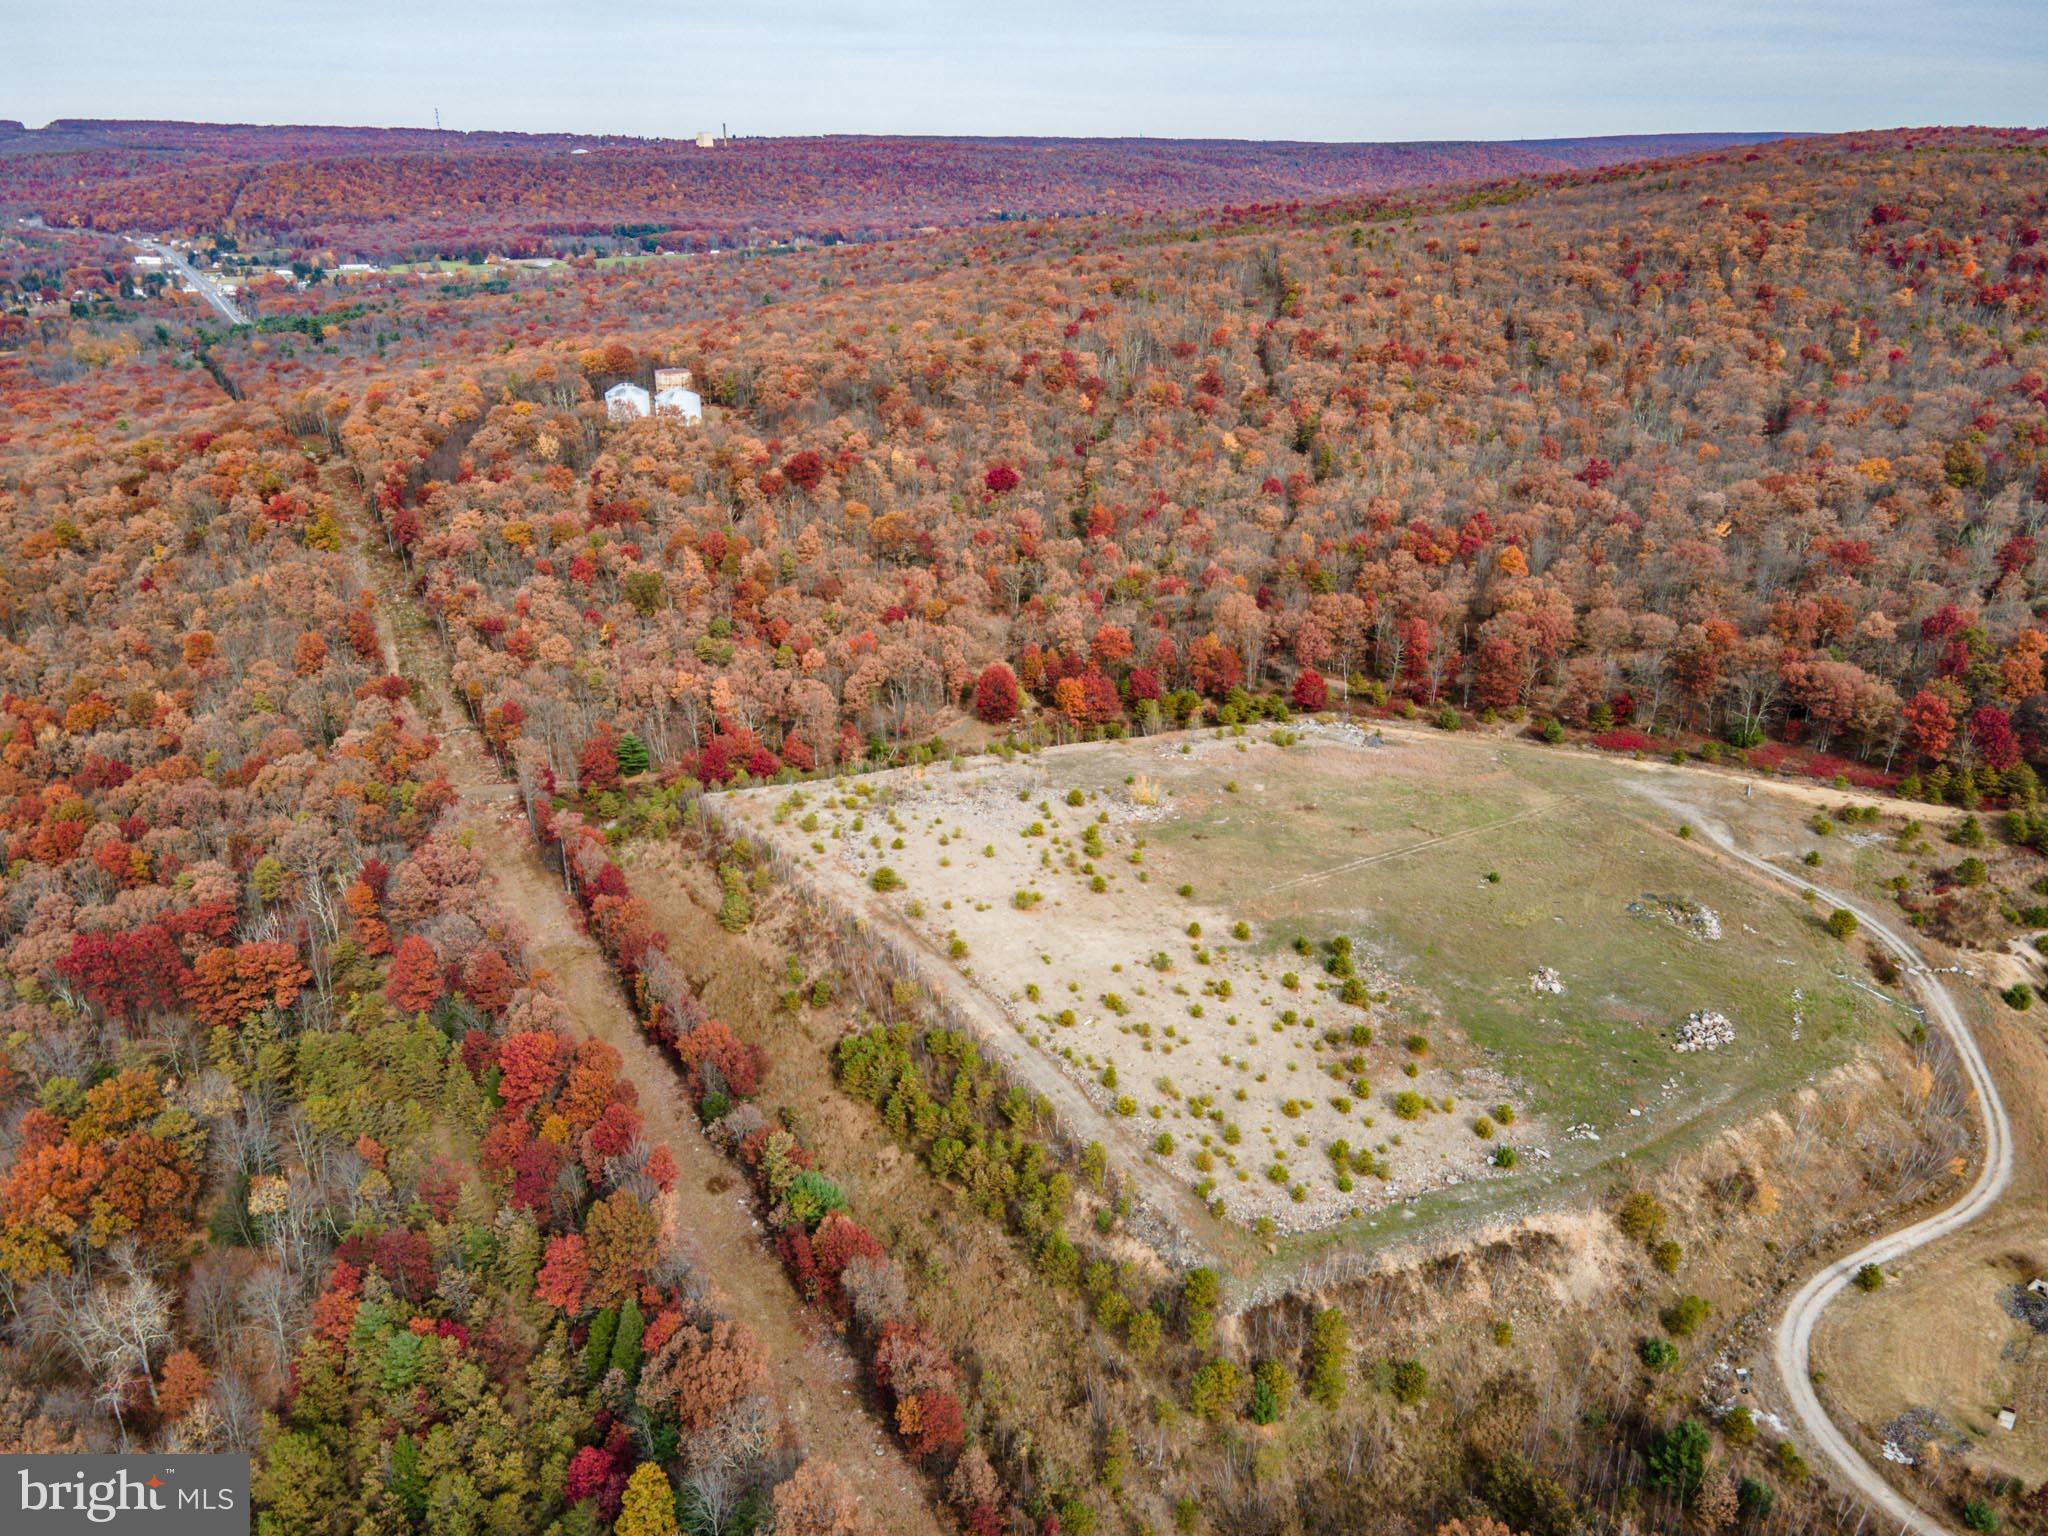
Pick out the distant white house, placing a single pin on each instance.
(149, 260)
(686, 403)
(707, 141)
(624, 401)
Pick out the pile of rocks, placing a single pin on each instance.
(2028, 1305)
(1681, 912)
(1918, 1430)
(1705, 1030)
(1544, 979)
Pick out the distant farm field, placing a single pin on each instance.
(1324, 978)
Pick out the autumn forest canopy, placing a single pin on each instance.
(1674, 446)
(390, 193)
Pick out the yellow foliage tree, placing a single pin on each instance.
(649, 1507)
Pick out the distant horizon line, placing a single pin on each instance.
(1755, 134)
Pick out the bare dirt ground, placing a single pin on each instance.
(815, 1376)
(1143, 932)
(1132, 1008)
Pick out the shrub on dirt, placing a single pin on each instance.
(1754, 1501)
(1410, 1382)
(1272, 1390)
(1215, 1390)
(1199, 1293)
(1642, 1216)
(1685, 1315)
(1329, 1341)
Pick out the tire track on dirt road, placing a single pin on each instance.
(816, 1378)
(1792, 1344)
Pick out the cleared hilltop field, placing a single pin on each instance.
(1246, 950)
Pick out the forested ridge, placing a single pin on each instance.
(410, 192)
(1749, 452)
(1740, 454)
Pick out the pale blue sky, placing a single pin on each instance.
(1267, 69)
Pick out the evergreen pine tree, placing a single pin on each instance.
(625, 1354)
(597, 1348)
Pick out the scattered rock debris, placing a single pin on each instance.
(1909, 1435)
(1681, 912)
(2028, 1306)
(1704, 1030)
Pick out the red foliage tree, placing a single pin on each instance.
(804, 470)
(713, 1045)
(147, 1192)
(931, 1423)
(995, 694)
(597, 761)
(1214, 666)
(228, 985)
(183, 1383)
(488, 981)
(1991, 733)
(589, 1470)
(563, 1274)
(334, 1310)
(1099, 701)
(1930, 723)
(127, 975)
(415, 983)
(529, 1064)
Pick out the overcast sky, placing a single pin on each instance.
(1259, 69)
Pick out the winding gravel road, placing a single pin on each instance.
(1793, 1346)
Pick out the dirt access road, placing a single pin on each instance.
(814, 1373)
(1792, 1344)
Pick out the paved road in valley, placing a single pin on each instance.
(208, 289)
